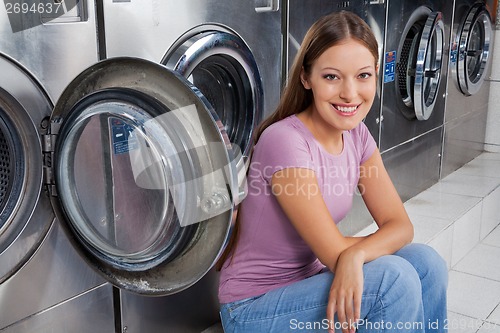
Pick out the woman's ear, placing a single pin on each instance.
(303, 79)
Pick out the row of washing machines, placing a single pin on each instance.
(429, 116)
(125, 127)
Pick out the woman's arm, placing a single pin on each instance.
(298, 194)
(395, 231)
(385, 206)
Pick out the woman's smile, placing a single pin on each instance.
(346, 110)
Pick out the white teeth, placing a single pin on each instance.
(346, 109)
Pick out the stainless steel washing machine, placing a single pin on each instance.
(415, 76)
(472, 38)
(230, 51)
(143, 178)
(44, 284)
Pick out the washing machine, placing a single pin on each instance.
(301, 15)
(231, 52)
(415, 73)
(472, 38)
(44, 284)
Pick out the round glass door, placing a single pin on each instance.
(418, 69)
(118, 167)
(144, 176)
(428, 66)
(474, 50)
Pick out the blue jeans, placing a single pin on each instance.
(404, 292)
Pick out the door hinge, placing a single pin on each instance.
(48, 150)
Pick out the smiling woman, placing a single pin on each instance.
(343, 82)
(288, 267)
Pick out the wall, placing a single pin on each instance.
(492, 140)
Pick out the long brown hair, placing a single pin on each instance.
(326, 32)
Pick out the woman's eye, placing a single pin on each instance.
(330, 76)
(365, 75)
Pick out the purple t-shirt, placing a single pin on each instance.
(270, 253)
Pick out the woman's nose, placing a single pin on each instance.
(348, 90)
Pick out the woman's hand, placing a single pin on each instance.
(346, 290)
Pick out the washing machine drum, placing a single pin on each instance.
(419, 61)
(144, 177)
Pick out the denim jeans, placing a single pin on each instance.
(404, 292)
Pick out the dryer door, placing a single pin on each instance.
(144, 178)
(428, 66)
(223, 68)
(474, 50)
(25, 213)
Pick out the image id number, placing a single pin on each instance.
(36, 8)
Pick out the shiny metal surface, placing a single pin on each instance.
(91, 312)
(407, 20)
(41, 276)
(414, 165)
(25, 216)
(466, 110)
(157, 30)
(464, 138)
(302, 14)
(190, 311)
(147, 29)
(56, 51)
(205, 168)
(223, 68)
(53, 277)
(403, 136)
(474, 50)
(428, 66)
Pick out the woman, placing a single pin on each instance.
(288, 268)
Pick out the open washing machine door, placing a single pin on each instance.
(474, 42)
(419, 65)
(144, 177)
(25, 213)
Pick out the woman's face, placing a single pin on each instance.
(343, 82)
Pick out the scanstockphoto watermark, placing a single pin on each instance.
(344, 180)
(297, 325)
(26, 14)
(335, 171)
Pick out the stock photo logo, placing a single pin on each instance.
(26, 14)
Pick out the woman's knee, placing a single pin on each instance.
(395, 275)
(429, 265)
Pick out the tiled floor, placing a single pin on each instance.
(460, 218)
(474, 289)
